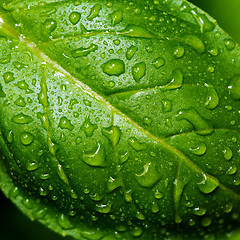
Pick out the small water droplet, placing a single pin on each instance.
(113, 183)
(94, 12)
(158, 62)
(232, 170)
(74, 17)
(114, 67)
(26, 138)
(62, 174)
(213, 99)
(103, 208)
(178, 52)
(176, 81)
(194, 42)
(116, 17)
(64, 222)
(32, 166)
(178, 219)
(43, 192)
(167, 105)
(136, 232)
(96, 197)
(65, 124)
(131, 51)
(235, 87)
(139, 71)
(140, 216)
(10, 136)
(229, 44)
(44, 176)
(22, 85)
(124, 157)
(20, 102)
(22, 119)
(137, 32)
(200, 150)
(18, 65)
(149, 176)
(213, 52)
(155, 208)
(8, 77)
(227, 153)
(206, 222)
(158, 194)
(208, 184)
(88, 127)
(199, 211)
(113, 134)
(6, 59)
(80, 52)
(133, 142)
(96, 158)
(2, 93)
(228, 208)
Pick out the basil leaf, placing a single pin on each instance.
(120, 120)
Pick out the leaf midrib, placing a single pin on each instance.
(113, 109)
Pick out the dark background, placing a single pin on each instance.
(14, 225)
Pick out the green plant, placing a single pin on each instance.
(120, 120)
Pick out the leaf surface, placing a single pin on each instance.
(120, 120)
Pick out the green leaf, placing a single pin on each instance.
(120, 120)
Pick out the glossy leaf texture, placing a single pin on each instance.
(120, 119)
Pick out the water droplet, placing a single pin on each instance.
(64, 222)
(208, 184)
(137, 32)
(214, 52)
(176, 82)
(65, 124)
(6, 59)
(22, 85)
(32, 166)
(229, 44)
(136, 232)
(128, 196)
(80, 52)
(44, 176)
(158, 62)
(131, 51)
(2, 93)
(8, 77)
(43, 119)
(213, 99)
(96, 158)
(62, 174)
(26, 138)
(194, 42)
(199, 211)
(232, 170)
(74, 17)
(227, 153)
(149, 176)
(201, 125)
(114, 67)
(139, 71)
(133, 142)
(155, 208)
(116, 17)
(22, 119)
(94, 12)
(140, 216)
(177, 219)
(96, 197)
(205, 24)
(88, 127)
(228, 208)
(200, 150)
(113, 183)
(20, 102)
(18, 65)
(112, 133)
(93, 235)
(206, 222)
(158, 194)
(103, 208)
(178, 52)
(167, 105)
(235, 87)
(49, 26)
(123, 158)
(43, 192)
(10, 136)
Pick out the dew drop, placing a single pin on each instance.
(155, 208)
(229, 44)
(158, 194)
(199, 211)
(44, 176)
(124, 157)
(32, 166)
(194, 42)
(22, 119)
(131, 51)
(62, 174)
(205, 24)
(65, 124)
(83, 52)
(113, 183)
(208, 184)
(88, 127)
(114, 67)
(94, 12)
(43, 192)
(158, 62)
(26, 138)
(8, 77)
(137, 32)
(96, 197)
(136, 232)
(116, 17)
(6, 59)
(20, 102)
(227, 153)
(49, 26)
(74, 17)
(235, 87)
(18, 65)
(103, 208)
(206, 222)
(133, 142)
(22, 85)
(140, 216)
(139, 71)
(149, 176)
(178, 52)
(96, 158)
(10, 136)
(93, 235)
(112, 133)
(232, 170)
(176, 82)
(213, 99)
(64, 222)
(167, 105)
(2, 93)
(200, 150)
(228, 208)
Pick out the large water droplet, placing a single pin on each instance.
(43, 192)
(140, 216)
(26, 138)
(205, 24)
(213, 99)
(206, 222)
(194, 42)
(113, 183)
(227, 153)
(96, 158)
(235, 87)
(80, 52)
(103, 208)
(74, 17)
(10, 136)
(232, 170)
(49, 26)
(116, 17)
(131, 51)
(178, 52)
(112, 133)
(124, 157)
(136, 232)
(176, 82)
(8, 77)
(94, 12)
(199, 211)
(139, 71)
(20, 102)
(230, 44)
(114, 67)
(65, 124)
(158, 62)
(155, 208)
(137, 32)
(22, 119)
(133, 142)
(32, 166)
(6, 59)
(149, 176)
(208, 184)
(200, 150)
(88, 127)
